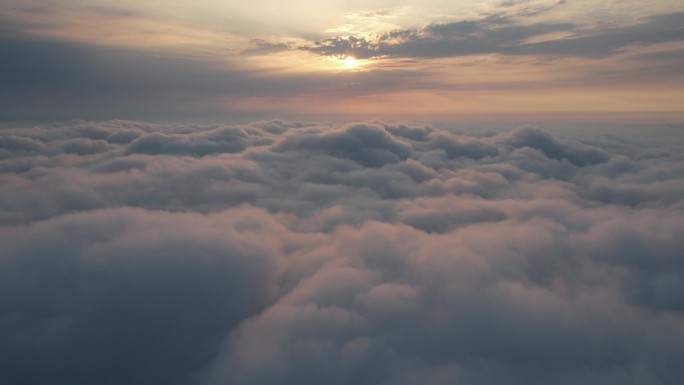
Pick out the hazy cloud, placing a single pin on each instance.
(47, 80)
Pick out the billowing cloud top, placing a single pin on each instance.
(370, 253)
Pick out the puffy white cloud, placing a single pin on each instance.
(370, 253)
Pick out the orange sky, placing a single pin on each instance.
(429, 59)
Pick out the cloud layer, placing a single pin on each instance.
(370, 253)
(504, 35)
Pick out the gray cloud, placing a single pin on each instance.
(532, 9)
(369, 253)
(504, 36)
(46, 80)
(110, 287)
(263, 47)
(365, 144)
(222, 140)
(574, 152)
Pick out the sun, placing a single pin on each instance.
(350, 62)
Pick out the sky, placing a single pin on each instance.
(216, 60)
(341, 192)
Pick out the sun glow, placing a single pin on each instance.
(350, 62)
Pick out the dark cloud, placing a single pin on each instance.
(281, 252)
(527, 9)
(222, 140)
(574, 152)
(110, 287)
(263, 47)
(676, 56)
(44, 80)
(456, 147)
(366, 144)
(84, 146)
(16, 143)
(505, 36)
(653, 30)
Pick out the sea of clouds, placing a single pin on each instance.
(290, 253)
